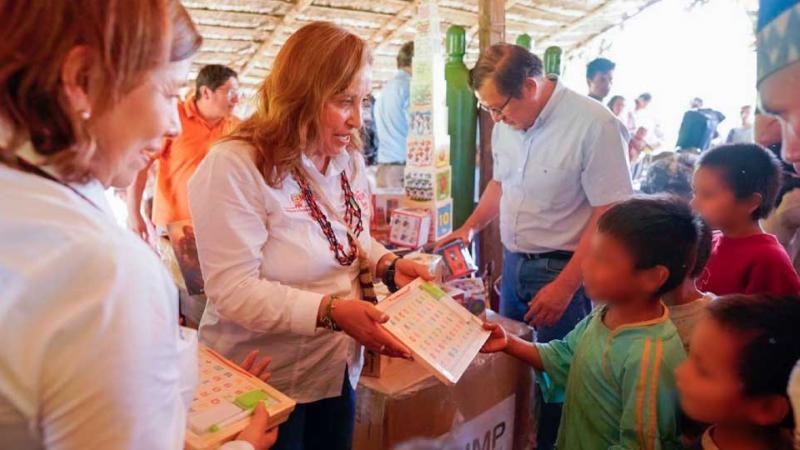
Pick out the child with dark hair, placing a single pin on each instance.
(738, 367)
(734, 187)
(615, 370)
(687, 304)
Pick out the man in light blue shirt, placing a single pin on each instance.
(391, 111)
(560, 161)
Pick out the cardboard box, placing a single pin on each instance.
(384, 201)
(441, 215)
(409, 227)
(490, 404)
(424, 184)
(375, 364)
(424, 151)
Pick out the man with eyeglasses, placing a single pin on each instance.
(560, 161)
(205, 116)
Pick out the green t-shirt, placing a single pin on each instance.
(618, 387)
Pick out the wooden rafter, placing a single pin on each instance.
(244, 34)
(282, 26)
(386, 37)
(473, 30)
(597, 11)
(605, 30)
(452, 15)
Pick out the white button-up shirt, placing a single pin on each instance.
(92, 355)
(267, 264)
(573, 158)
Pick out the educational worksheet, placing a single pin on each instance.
(442, 335)
(224, 401)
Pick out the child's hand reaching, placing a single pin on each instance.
(257, 432)
(259, 369)
(498, 340)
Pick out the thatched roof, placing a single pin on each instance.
(246, 34)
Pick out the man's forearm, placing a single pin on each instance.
(488, 208)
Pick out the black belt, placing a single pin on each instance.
(558, 254)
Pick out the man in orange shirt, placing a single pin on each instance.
(205, 116)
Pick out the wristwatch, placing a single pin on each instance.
(388, 276)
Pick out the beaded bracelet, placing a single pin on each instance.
(327, 318)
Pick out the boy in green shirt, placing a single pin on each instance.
(615, 370)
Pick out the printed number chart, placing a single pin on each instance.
(224, 400)
(442, 335)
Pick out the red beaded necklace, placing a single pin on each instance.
(352, 218)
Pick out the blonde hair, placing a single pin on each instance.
(317, 62)
(128, 38)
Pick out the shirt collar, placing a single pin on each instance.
(664, 317)
(190, 108)
(551, 106)
(193, 113)
(403, 75)
(337, 164)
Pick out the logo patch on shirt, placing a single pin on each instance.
(363, 200)
(298, 204)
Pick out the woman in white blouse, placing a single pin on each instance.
(272, 205)
(92, 356)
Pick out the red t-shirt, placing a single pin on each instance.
(755, 264)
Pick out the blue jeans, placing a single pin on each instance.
(522, 280)
(322, 425)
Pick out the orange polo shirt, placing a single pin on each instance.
(180, 159)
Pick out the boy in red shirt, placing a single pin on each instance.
(734, 187)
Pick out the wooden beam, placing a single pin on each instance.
(491, 29)
(535, 12)
(285, 22)
(600, 9)
(562, 5)
(447, 15)
(266, 7)
(346, 16)
(248, 35)
(473, 30)
(381, 38)
(231, 19)
(605, 30)
(224, 46)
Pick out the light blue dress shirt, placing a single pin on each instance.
(573, 158)
(391, 119)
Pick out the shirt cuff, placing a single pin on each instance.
(304, 312)
(237, 445)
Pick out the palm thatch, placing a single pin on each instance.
(247, 34)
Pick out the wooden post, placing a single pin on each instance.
(492, 30)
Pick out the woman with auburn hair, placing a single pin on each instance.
(93, 357)
(281, 212)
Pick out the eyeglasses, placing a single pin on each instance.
(496, 111)
(230, 93)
